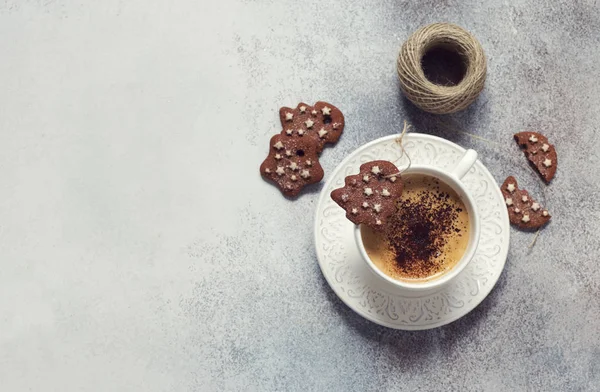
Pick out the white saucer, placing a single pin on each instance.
(377, 300)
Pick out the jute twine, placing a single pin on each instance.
(432, 97)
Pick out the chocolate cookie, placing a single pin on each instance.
(540, 153)
(523, 211)
(292, 163)
(370, 196)
(324, 122)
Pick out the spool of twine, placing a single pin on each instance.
(429, 53)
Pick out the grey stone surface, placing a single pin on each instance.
(141, 251)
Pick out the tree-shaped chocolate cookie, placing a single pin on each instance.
(292, 163)
(324, 122)
(523, 211)
(540, 153)
(370, 196)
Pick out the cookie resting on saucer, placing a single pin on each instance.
(540, 153)
(370, 196)
(523, 211)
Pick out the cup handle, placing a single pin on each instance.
(465, 163)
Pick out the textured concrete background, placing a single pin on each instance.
(141, 251)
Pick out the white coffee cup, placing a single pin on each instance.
(451, 178)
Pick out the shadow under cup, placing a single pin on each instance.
(453, 181)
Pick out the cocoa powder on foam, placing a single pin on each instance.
(426, 236)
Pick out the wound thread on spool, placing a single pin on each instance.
(442, 68)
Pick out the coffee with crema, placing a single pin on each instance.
(426, 237)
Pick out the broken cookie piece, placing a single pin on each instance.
(523, 211)
(292, 164)
(541, 154)
(369, 197)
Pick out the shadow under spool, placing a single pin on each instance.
(444, 65)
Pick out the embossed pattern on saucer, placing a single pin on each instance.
(371, 297)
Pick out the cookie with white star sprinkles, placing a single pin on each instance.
(540, 153)
(523, 211)
(370, 196)
(322, 122)
(292, 164)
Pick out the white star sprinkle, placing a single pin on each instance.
(305, 173)
(511, 188)
(517, 210)
(533, 139)
(289, 131)
(545, 147)
(366, 178)
(525, 218)
(293, 166)
(293, 177)
(365, 205)
(289, 116)
(368, 191)
(375, 170)
(278, 156)
(545, 213)
(393, 179)
(308, 162)
(278, 145)
(378, 222)
(535, 206)
(335, 125)
(525, 199)
(288, 153)
(509, 201)
(385, 192)
(280, 170)
(302, 109)
(322, 133)
(267, 170)
(344, 197)
(314, 112)
(547, 162)
(355, 211)
(300, 132)
(326, 111)
(377, 207)
(309, 123)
